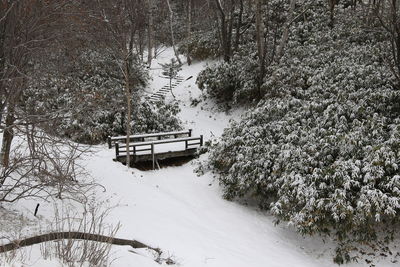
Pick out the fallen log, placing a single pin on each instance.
(16, 244)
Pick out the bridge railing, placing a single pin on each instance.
(144, 137)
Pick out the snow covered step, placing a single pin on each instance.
(159, 96)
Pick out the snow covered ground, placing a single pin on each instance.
(177, 211)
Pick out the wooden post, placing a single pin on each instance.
(152, 154)
(116, 150)
(134, 150)
(109, 142)
(186, 144)
(201, 140)
(190, 132)
(36, 209)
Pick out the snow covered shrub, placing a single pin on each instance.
(235, 81)
(219, 80)
(322, 150)
(92, 89)
(159, 117)
(202, 45)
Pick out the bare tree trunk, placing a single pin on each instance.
(285, 34)
(260, 42)
(230, 27)
(150, 33)
(224, 32)
(3, 24)
(128, 105)
(395, 35)
(8, 136)
(332, 4)
(239, 26)
(189, 31)
(171, 19)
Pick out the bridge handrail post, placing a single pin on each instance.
(109, 142)
(152, 155)
(116, 150)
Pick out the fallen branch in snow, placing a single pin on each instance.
(16, 244)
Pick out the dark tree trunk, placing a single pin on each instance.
(260, 42)
(8, 136)
(224, 32)
(73, 235)
(239, 26)
(189, 31)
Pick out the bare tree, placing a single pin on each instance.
(239, 25)
(150, 32)
(189, 30)
(387, 14)
(27, 27)
(260, 40)
(116, 26)
(285, 34)
(171, 21)
(226, 19)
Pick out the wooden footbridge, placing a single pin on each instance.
(155, 146)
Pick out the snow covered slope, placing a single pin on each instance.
(185, 215)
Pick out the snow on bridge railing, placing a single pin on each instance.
(143, 137)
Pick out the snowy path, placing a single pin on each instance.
(185, 215)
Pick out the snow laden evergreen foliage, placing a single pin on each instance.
(233, 82)
(202, 45)
(322, 150)
(92, 90)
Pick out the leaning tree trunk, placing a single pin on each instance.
(16, 244)
(171, 20)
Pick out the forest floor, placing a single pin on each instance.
(174, 209)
